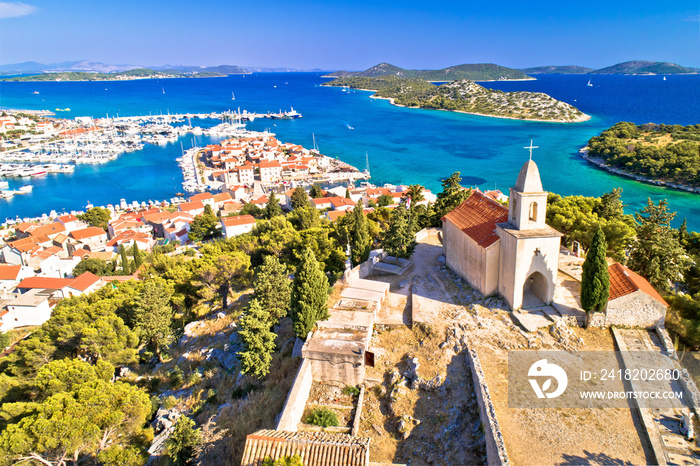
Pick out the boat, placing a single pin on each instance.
(664, 78)
(233, 97)
(163, 90)
(26, 188)
(589, 83)
(35, 92)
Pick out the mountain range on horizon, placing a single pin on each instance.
(481, 71)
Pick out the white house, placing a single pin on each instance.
(11, 275)
(234, 226)
(31, 308)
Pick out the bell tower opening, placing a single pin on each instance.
(533, 212)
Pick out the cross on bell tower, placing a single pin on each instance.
(531, 147)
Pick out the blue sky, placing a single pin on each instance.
(350, 34)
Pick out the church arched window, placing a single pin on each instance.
(533, 212)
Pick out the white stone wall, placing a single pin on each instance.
(476, 265)
(296, 399)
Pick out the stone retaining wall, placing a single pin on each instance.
(666, 342)
(495, 445)
(296, 399)
(358, 412)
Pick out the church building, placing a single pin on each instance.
(507, 251)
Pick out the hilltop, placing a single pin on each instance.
(472, 72)
(645, 67)
(465, 96)
(32, 67)
(566, 69)
(139, 73)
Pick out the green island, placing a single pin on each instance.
(465, 96)
(661, 154)
(139, 73)
(473, 72)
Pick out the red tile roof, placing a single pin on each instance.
(67, 218)
(9, 272)
(44, 283)
(315, 448)
(623, 281)
(240, 220)
(89, 232)
(477, 217)
(84, 281)
(190, 206)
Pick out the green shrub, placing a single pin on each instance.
(351, 390)
(177, 377)
(323, 417)
(169, 402)
(286, 461)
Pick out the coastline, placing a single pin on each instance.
(600, 163)
(392, 101)
(138, 78)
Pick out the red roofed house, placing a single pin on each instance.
(633, 301)
(93, 238)
(507, 251)
(342, 203)
(322, 203)
(234, 226)
(128, 238)
(70, 222)
(11, 275)
(62, 287)
(193, 208)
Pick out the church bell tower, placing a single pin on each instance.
(529, 247)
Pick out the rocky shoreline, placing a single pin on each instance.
(601, 164)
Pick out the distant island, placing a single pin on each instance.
(464, 96)
(636, 67)
(141, 73)
(566, 69)
(475, 72)
(660, 154)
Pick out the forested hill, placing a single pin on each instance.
(663, 153)
(465, 96)
(645, 67)
(567, 69)
(473, 72)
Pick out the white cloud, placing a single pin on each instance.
(695, 18)
(16, 9)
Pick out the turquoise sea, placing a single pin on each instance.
(404, 145)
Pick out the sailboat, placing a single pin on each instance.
(233, 97)
(366, 170)
(664, 78)
(589, 83)
(315, 149)
(163, 90)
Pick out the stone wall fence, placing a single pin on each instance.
(296, 399)
(496, 454)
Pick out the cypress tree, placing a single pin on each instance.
(361, 241)
(138, 258)
(272, 288)
(258, 341)
(125, 260)
(595, 281)
(309, 294)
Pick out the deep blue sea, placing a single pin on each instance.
(404, 145)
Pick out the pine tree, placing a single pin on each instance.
(273, 208)
(126, 269)
(153, 315)
(299, 198)
(361, 241)
(399, 241)
(258, 341)
(683, 235)
(138, 257)
(347, 193)
(180, 446)
(657, 254)
(451, 196)
(272, 288)
(309, 294)
(316, 192)
(595, 281)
